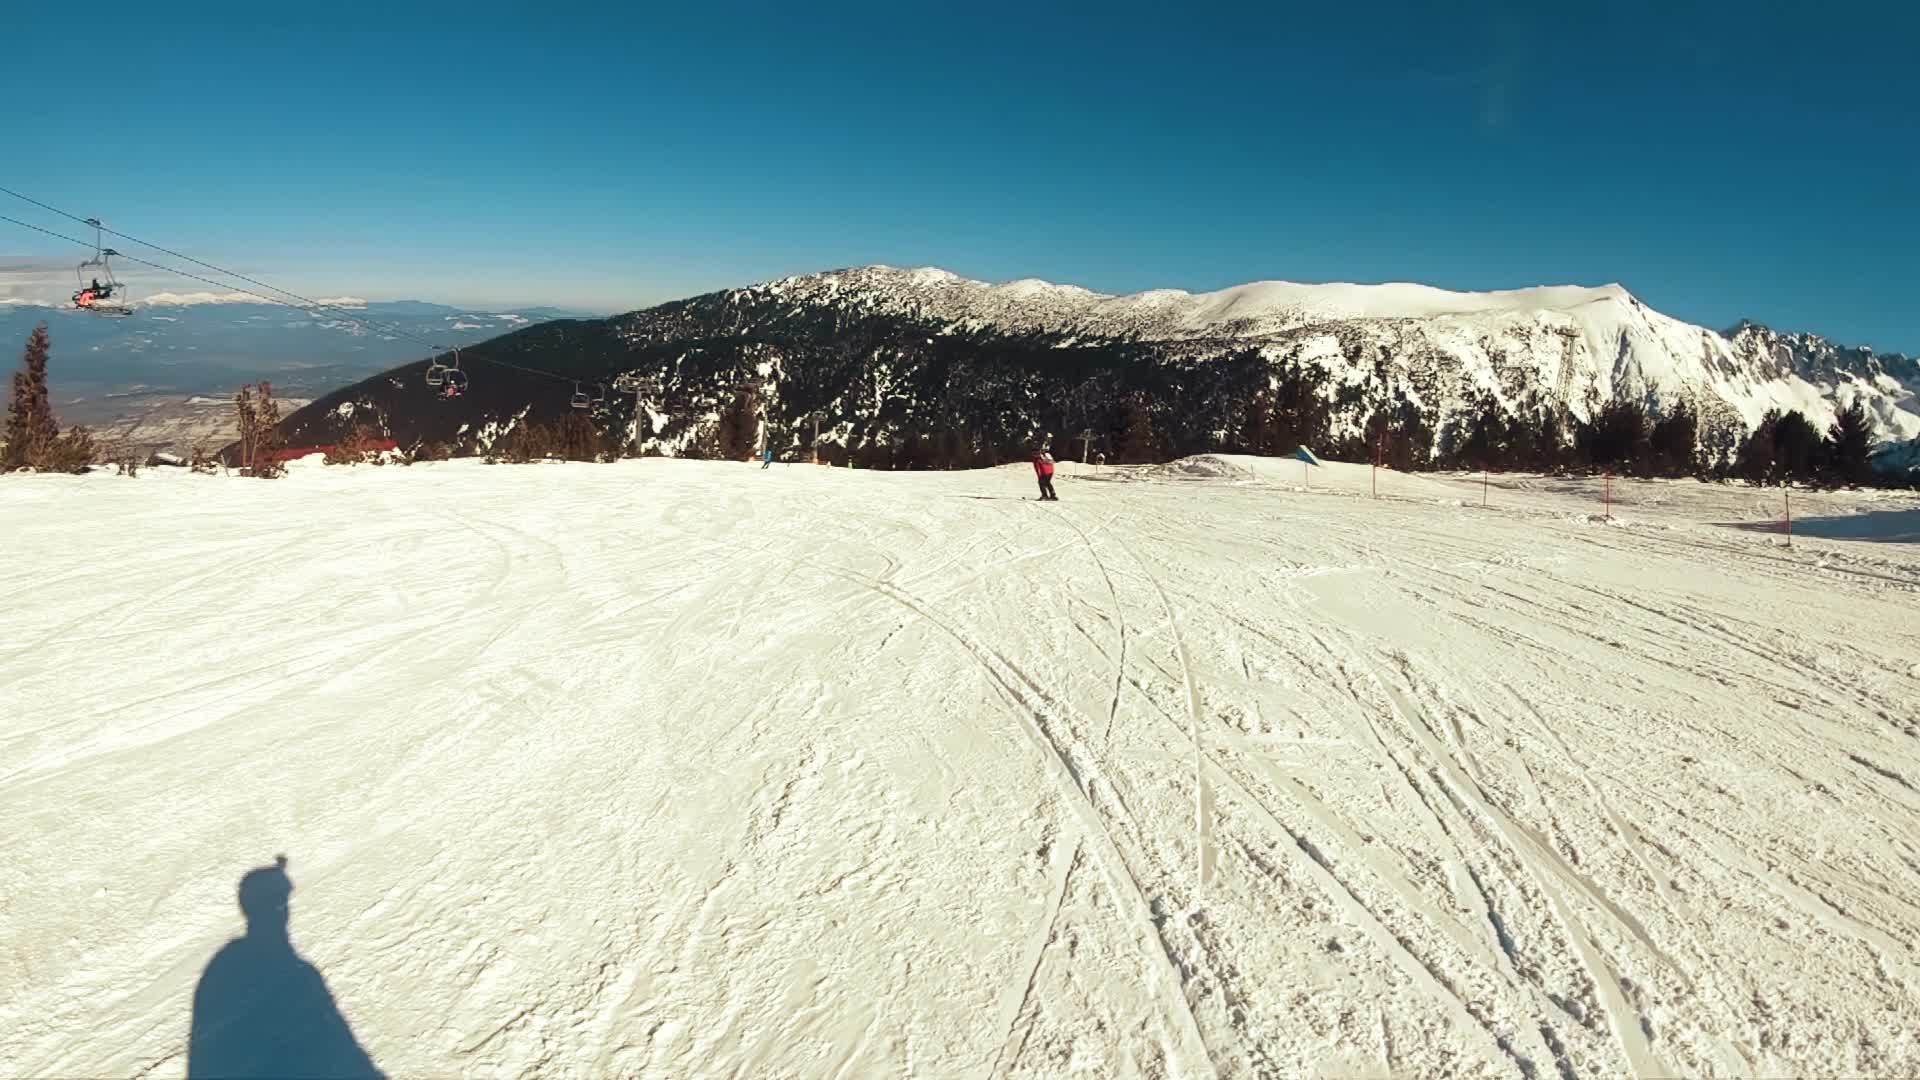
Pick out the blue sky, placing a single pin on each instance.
(1721, 161)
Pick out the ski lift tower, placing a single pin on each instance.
(642, 390)
(816, 416)
(1086, 448)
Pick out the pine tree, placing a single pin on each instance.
(31, 428)
(704, 443)
(738, 432)
(1410, 441)
(1484, 443)
(1850, 445)
(1675, 442)
(1550, 441)
(247, 423)
(13, 454)
(577, 437)
(1799, 451)
(1139, 442)
(1256, 428)
(1755, 460)
(261, 440)
(1619, 438)
(1301, 415)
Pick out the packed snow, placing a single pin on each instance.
(675, 768)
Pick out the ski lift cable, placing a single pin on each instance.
(224, 284)
(305, 303)
(145, 262)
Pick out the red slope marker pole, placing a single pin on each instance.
(1483, 487)
(1609, 497)
(1787, 493)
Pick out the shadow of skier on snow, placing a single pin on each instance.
(261, 1010)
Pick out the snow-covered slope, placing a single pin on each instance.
(675, 769)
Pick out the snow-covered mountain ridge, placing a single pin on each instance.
(1256, 308)
(886, 356)
(1586, 343)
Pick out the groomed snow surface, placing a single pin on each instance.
(688, 769)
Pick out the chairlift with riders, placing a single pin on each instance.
(456, 378)
(99, 290)
(448, 377)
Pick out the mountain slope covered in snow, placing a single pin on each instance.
(887, 354)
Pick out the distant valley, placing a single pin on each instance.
(143, 379)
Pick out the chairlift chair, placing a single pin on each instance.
(436, 372)
(456, 379)
(580, 399)
(99, 291)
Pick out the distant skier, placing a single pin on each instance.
(766, 458)
(1043, 469)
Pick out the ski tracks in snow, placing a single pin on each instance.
(810, 773)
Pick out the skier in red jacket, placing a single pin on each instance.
(1043, 468)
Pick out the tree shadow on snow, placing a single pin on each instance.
(1880, 526)
(261, 1010)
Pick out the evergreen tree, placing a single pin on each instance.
(1799, 451)
(1754, 461)
(1483, 436)
(1550, 450)
(1301, 416)
(261, 441)
(1139, 442)
(1675, 442)
(1378, 434)
(246, 423)
(1410, 441)
(13, 453)
(1850, 445)
(1256, 427)
(271, 440)
(704, 445)
(738, 433)
(577, 438)
(31, 428)
(1618, 438)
